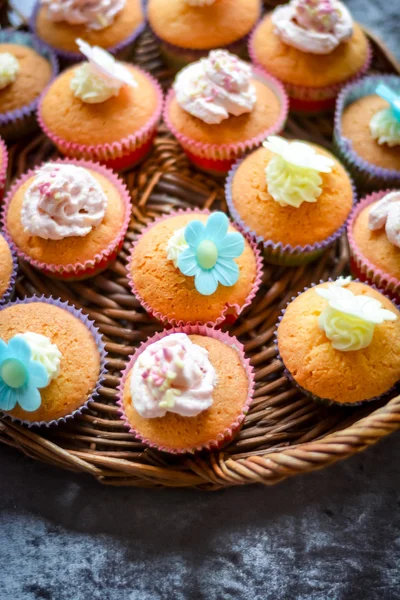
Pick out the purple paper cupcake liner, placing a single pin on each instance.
(289, 376)
(366, 174)
(70, 58)
(17, 123)
(8, 294)
(76, 312)
(225, 436)
(229, 307)
(279, 253)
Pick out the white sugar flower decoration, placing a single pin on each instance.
(293, 173)
(105, 64)
(349, 320)
(386, 213)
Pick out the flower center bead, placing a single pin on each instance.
(207, 254)
(13, 373)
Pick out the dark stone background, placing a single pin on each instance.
(331, 535)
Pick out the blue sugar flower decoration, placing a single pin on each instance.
(20, 376)
(209, 257)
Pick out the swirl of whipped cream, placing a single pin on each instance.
(293, 173)
(43, 352)
(176, 245)
(215, 87)
(385, 128)
(386, 213)
(94, 14)
(172, 375)
(62, 201)
(349, 321)
(315, 26)
(9, 69)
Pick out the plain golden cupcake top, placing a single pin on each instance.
(340, 340)
(6, 266)
(24, 74)
(281, 197)
(373, 131)
(201, 403)
(202, 25)
(104, 24)
(86, 108)
(376, 233)
(209, 278)
(64, 213)
(65, 348)
(310, 43)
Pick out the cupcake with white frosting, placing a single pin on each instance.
(339, 342)
(67, 218)
(314, 48)
(111, 24)
(367, 131)
(186, 389)
(374, 238)
(52, 361)
(220, 107)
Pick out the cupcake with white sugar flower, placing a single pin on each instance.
(186, 389)
(314, 48)
(67, 218)
(374, 239)
(52, 361)
(292, 197)
(339, 341)
(220, 107)
(113, 25)
(102, 110)
(367, 131)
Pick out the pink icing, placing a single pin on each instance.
(386, 213)
(95, 14)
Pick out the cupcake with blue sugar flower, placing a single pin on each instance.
(194, 267)
(52, 361)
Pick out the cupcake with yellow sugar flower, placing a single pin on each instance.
(292, 197)
(102, 110)
(339, 341)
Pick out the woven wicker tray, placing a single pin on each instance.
(285, 433)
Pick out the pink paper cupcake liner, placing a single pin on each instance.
(3, 167)
(68, 58)
(366, 174)
(231, 312)
(279, 253)
(78, 270)
(292, 380)
(219, 158)
(361, 266)
(15, 124)
(118, 155)
(225, 436)
(99, 343)
(313, 99)
(8, 294)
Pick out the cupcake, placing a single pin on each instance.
(339, 342)
(189, 29)
(367, 130)
(102, 110)
(111, 25)
(8, 271)
(52, 361)
(314, 48)
(67, 218)
(374, 239)
(186, 389)
(221, 107)
(3, 167)
(292, 197)
(26, 68)
(194, 267)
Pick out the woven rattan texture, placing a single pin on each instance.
(284, 433)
